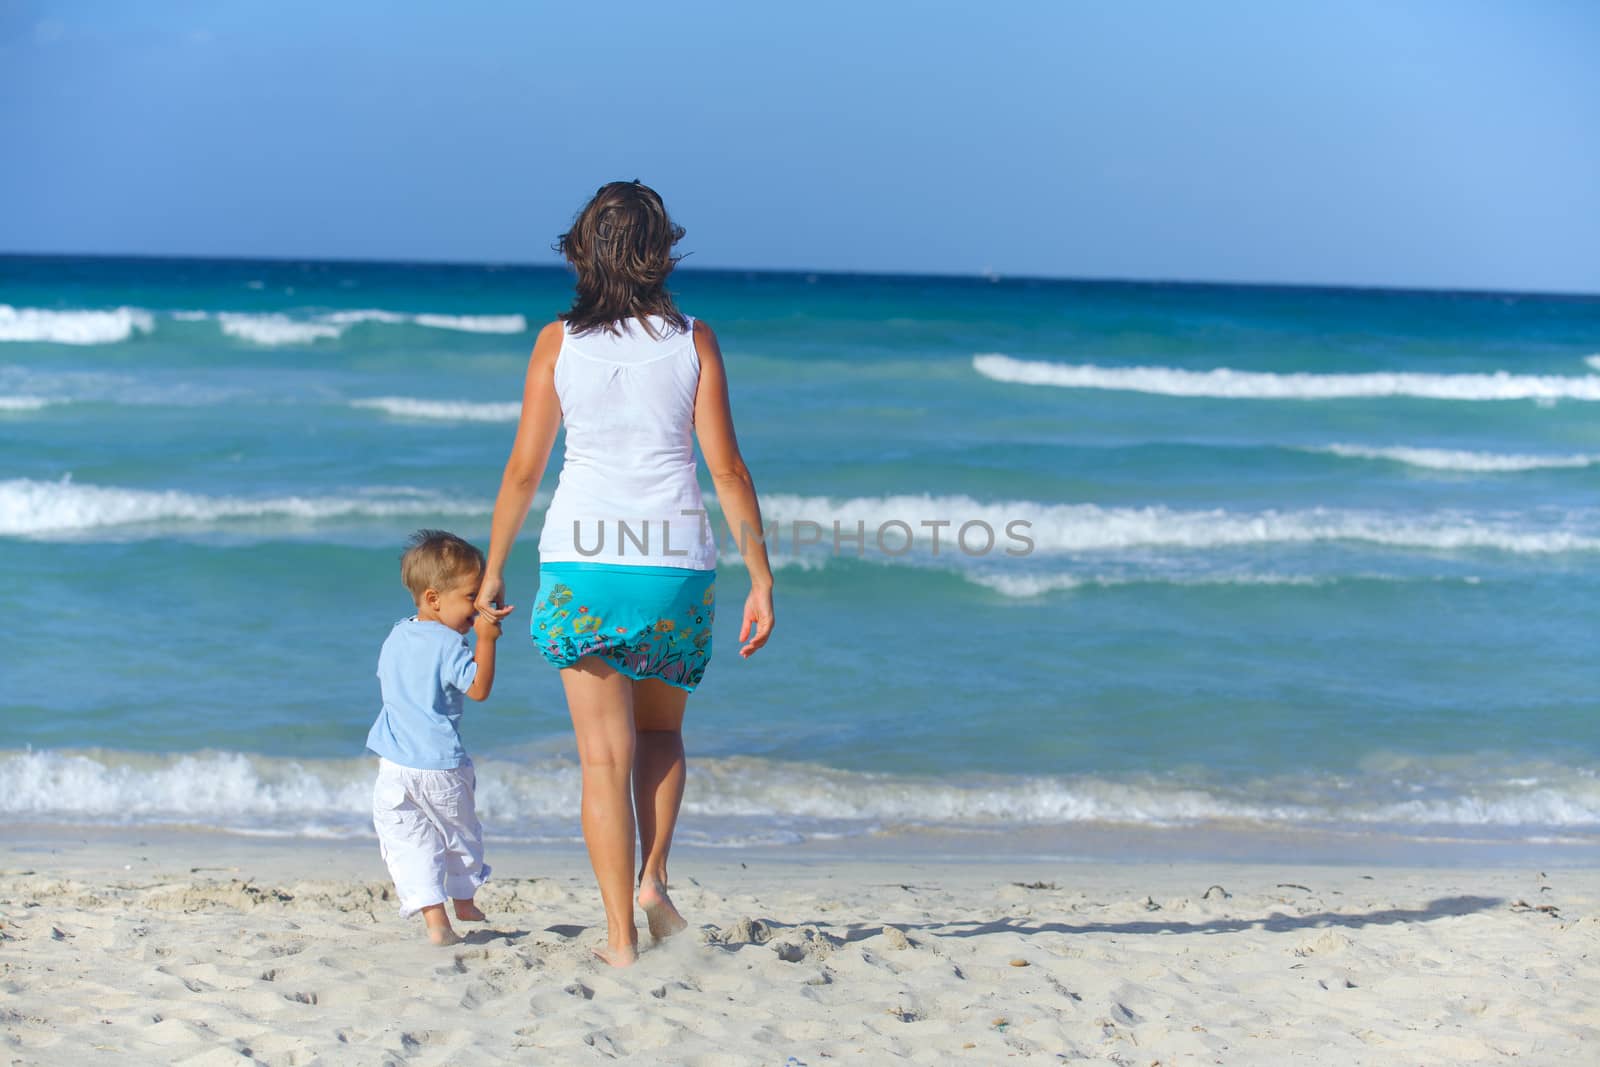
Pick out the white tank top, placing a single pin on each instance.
(628, 493)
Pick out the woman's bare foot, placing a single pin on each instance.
(659, 910)
(623, 956)
(468, 912)
(440, 932)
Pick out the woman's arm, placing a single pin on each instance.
(736, 490)
(530, 452)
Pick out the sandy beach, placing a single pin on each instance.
(171, 947)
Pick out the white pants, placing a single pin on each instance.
(429, 832)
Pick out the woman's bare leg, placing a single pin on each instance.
(658, 777)
(601, 703)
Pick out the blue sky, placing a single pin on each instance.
(1448, 144)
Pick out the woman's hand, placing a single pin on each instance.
(491, 591)
(757, 615)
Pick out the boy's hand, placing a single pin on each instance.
(486, 625)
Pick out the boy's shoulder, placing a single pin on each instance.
(415, 635)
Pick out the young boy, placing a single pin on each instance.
(422, 804)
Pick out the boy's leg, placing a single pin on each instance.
(465, 871)
(412, 848)
(440, 932)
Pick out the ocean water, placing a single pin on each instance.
(1262, 559)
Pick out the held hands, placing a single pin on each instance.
(490, 614)
(757, 615)
(486, 626)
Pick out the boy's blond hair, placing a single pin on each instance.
(437, 560)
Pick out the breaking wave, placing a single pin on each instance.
(31, 508)
(1089, 528)
(406, 407)
(83, 327)
(1452, 460)
(734, 795)
(276, 329)
(25, 403)
(806, 527)
(474, 323)
(280, 329)
(1026, 585)
(271, 329)
(1255, 385)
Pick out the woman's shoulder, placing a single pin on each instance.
(705, 340)
(547, 345)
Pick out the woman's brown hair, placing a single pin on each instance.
(621, 246)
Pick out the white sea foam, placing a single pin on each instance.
(462, 323)
(474, 323)
(1065, 528)
(1233, 384)
(109, 326)
(406, 407)
(347, 318)
(30, 508)
(239, 791)
(1593, 361)
(1026, 585)
(280, 329)
(1451, 460)
(1499, 807)
(276, 329)
(25, 403)
(221, 786)
(73, 327)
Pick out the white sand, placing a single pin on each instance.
(203, 949)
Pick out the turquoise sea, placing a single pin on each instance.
(1299, 560)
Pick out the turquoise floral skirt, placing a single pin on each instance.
(647, 622)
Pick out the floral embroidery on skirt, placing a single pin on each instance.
(647, 622)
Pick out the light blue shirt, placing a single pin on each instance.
(424, 672)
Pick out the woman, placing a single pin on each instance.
(627, 560)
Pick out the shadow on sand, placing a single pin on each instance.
(1276, 922)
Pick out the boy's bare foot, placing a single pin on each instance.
(468, 912)
(623, 956)
(659, 910)
(440, 931)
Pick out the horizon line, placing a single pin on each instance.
(991, 276)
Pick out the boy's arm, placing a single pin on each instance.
(488, 631)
